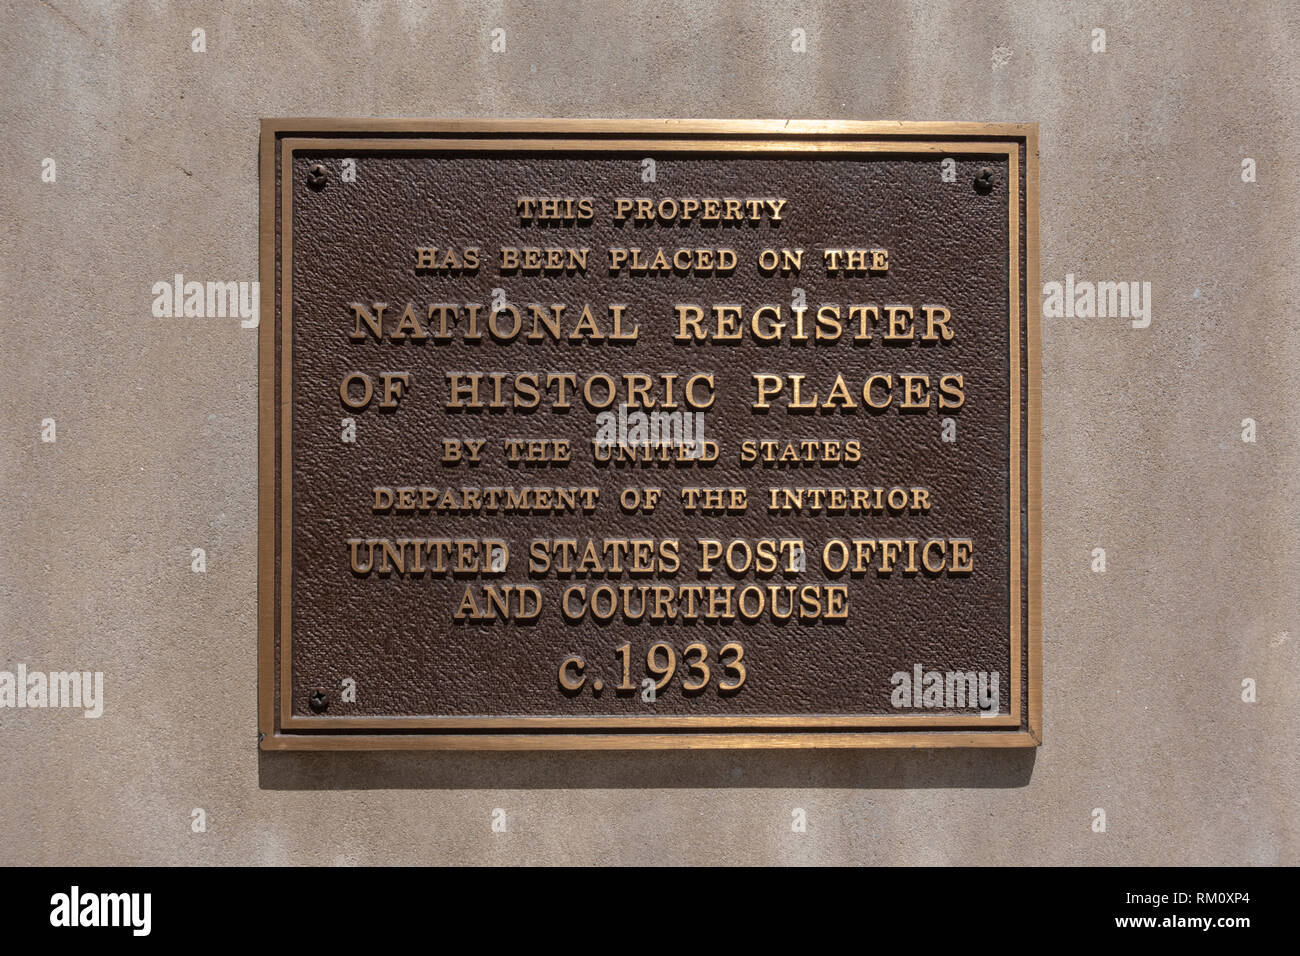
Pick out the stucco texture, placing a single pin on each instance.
(1142, 146)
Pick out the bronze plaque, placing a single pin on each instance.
(671, 433)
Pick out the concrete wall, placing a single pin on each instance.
(1142, 148)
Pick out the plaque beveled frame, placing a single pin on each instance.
(279, 729)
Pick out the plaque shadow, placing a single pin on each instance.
(977, 768)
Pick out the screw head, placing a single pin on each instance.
(318, 702)
(316, 176)
(984, 180)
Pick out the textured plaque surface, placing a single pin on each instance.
(768, 480)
